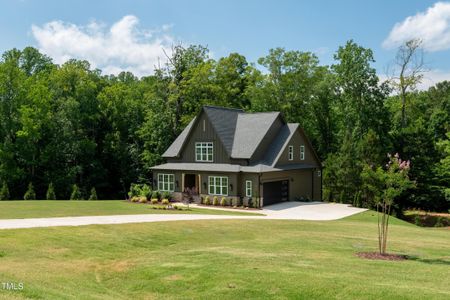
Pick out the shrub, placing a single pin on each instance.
(76, 194)
(165, 202)
(250, 202)
(223, 201)
(142, 199)
(146, 191)
(439, 222)
(135, 199)
(50, 195)
(417, 220)
(135, 190)
(215, 201)
(166, 195)
(30, 194)
(154, 200)
(4, 191)
(207, 201)
(155, 195)
(93, 195)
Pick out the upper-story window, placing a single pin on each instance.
(302, 152)
(291, 153)
(204, 151)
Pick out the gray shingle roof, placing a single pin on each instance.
(232, 168)
(240, 133)
(175, 148)
(250, 130)
(276, 147)
(224, 122)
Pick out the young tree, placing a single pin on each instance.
(93, 195)
(4, 192)
(50, 195)
(386, 184)
(76, 194)
(30, 193)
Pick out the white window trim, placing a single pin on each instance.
(166, 182)
(201, 146)
(248, 188)
(302, 152)
(291, 152)
(223, 183)
(319, 173)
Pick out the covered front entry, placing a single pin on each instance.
(191, 183)
(275, 192)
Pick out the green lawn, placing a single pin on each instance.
(60, 208)
(225, 259)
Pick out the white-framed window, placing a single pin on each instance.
(302, 152)
(319, 173)
(218, 185)
(291, 153)
(248, 188)
(204, 151)
(166, 182)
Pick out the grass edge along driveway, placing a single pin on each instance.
(64, 208)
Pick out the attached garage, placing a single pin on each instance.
(275, 192)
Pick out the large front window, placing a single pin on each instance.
(218, 185)
(166, 182)
(204, 152)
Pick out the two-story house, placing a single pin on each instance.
(227, 152)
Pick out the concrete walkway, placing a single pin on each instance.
(282, 211)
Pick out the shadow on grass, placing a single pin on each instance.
(431, 261)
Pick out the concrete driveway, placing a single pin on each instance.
(282, 211)
(317, 211)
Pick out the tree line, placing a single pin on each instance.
(66, 125)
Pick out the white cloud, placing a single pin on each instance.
(432, 77)
(122, 47)
(431, 26)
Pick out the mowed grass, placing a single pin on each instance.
(225, 259)
(64, 208)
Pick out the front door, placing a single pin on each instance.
(190, 183)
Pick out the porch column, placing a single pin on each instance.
(182, 183)
(199, 184)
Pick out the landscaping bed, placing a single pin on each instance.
(427, 219)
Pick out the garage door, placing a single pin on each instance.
(275, 191)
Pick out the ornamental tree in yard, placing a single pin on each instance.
(385, 184)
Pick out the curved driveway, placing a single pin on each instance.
(282, 211)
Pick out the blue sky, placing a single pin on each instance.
(83, 29)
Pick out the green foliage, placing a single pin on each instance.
(165, 201)
(154, 200)
(223, 201)
(76, 193)
(207, 200)
(4, 192)
(68, 123)
(215, 201)
(166, 195)
(155, 195)
(30, 194)
(50, 195)
(93, 195)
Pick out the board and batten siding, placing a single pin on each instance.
(296, 141)
(203, 131)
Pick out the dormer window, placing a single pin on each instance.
(204, 151)
(302, 152)
(291, 153)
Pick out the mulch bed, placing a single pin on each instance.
(378, 256)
